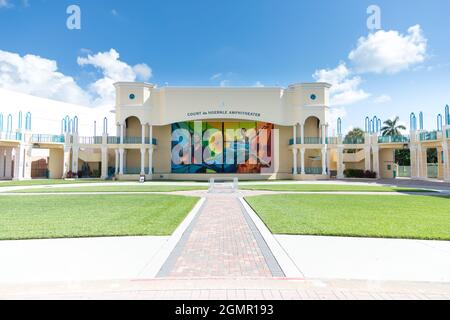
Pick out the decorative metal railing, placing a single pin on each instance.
(316, 171)
(308, 140)
(394, 139)
(90, 140)
(11, 136)
(433, 171)
(332, 140)
(154, 142)
(354, 141)
(404, 171)
(130, 140)
(428, 136)
(47, 138)
(133, 170)
(113, 140)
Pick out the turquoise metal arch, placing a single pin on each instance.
(421, 120)
(9, 123)
(20, 121)
(439, 122)
(447, 115)
(28, 121)
(105, 125)
(75, 125)
(413, 122)
(367, 129)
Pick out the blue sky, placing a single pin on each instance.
(234, 43)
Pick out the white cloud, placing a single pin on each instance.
(40, 77)
(225, 83)
(5, 4)
(113, 70)
(259, 84)
(389, 51)
(216, 76)
(384, 98)
(345, 88)
(143, 72)
(333, 116)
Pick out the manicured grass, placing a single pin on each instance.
(328, 188)
(410, 217)
(46, 182)
(125, 188)
(46, 217)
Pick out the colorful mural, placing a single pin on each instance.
(221, 147)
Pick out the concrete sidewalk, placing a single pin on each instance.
(230, 289)
(74, 260)
(369, 259)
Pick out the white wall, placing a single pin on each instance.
(47, 114)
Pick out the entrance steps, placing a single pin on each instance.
(222, 186)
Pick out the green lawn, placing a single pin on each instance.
(39, 182)
(328, 188)
(126, 188)
(46, 217)
(410, 217)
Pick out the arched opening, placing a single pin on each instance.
(133, 128)
(312, 130)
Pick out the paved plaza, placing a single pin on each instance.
(223, 254)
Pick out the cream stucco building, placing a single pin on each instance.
(282, 133)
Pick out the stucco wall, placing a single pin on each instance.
(387, 163)
(55, 163)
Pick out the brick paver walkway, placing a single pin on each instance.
(242, 289)
(221, 242)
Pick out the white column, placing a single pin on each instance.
(294, 134)
(324, 134)
(150, 135)
(324, 161)
(142, 161)
(376, 161)
(143, 133)
(446, 162)
(8, 163)
(66, 161)
(104, 163)
(150, 161)
(367, 156)
(18, 163)
(117, 161)
(122, 131)
(302, 133)
(2, 163)
(423, 163)
(302, 160)
(121, 155)
(75, 151)
(414, 163)
(340, 163)
(294, 161)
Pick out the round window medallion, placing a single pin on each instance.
(132, 96)
(313, 97)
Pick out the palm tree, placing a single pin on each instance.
(392, 128)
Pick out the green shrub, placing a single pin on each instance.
(360, 174)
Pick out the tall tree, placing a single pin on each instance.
(356, 133)
(392, 128)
